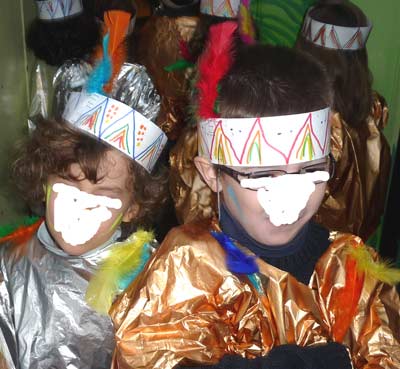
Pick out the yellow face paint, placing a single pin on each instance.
(117, 221)
(47, 191)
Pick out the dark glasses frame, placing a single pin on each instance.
(277, 172)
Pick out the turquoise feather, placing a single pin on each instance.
(102, 72)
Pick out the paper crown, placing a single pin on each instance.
(266, 141)
(118, 125)
(220, 8)
(57, 9)
(335, 37)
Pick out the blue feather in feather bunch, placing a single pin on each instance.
(236, 260)
(102, 72)
(127, 279)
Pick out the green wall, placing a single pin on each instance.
(14, 14)
(384, 60)
(384, 56)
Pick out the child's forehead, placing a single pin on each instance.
(111, 166)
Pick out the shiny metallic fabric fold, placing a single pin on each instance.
(355, 197)
(45, 322)
(133, 87)
(186, 307)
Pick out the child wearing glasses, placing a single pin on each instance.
(264, 286)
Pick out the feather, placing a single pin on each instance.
(125, 261)
(236, 260)
(350, 293)
(22, 233)
(117, 22)
(180, 64)
(213, 65)
(381, 270)
(102, 71)
(184, 51)
(359, 263)
(246, 26)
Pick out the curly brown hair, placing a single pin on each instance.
(51, 149)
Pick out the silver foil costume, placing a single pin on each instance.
(45, 322)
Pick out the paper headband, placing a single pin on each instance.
(267, 141)
(57, 9)
(335, 37)
(220, 8)
(118, 125)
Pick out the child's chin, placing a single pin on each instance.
(73, 250)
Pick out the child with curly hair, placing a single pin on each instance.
(96, 174)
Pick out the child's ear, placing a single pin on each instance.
(208, 173)
(130, 213)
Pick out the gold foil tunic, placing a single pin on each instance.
(192, 197)
(186, 307)
(355, 198)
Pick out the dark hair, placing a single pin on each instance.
(56, 41)
(348, 69)
(271, 80)
(51, 149)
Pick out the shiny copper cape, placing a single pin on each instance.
(354, 200)
(186, 307)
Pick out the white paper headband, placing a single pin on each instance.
(266, 141)
(220, 8)
(335, 37)
(118, 125)
(57, 9)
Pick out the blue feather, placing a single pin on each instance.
(236, 260)
(102, 72)
(126, 280)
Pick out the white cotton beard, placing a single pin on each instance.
(284, 197)
(79, 215)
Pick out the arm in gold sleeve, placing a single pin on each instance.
(185, 305)
(362, 311)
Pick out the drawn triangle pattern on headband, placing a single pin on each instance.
(150, 155)
(335, 37)
(120, 138)
(225, 8)
(356, 38)
(265, 141)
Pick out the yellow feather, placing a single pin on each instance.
(380, 270)
(124, 259)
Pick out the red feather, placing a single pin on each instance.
(22, 234)
(184, 51)
(213, 65)
(345, 301)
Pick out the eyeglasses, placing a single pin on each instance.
(328, 166)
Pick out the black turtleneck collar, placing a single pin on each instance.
(298, 257)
